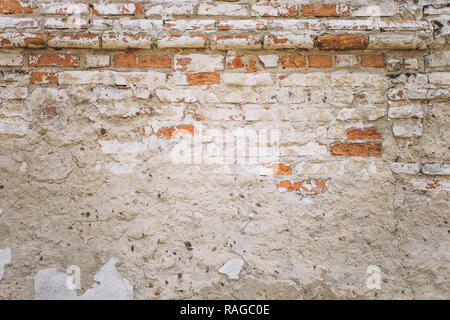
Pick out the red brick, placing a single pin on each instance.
(125, 60)
(174, 131)
(203, 78)
(49, 113)
(234, 62)
(325, 10)
(297, 61)
(356, 149)
(320, 61)
(372, 60)
(14, 7)
(369, 133)
(280, 169)
(53, 60)
(304, 186)
(341, 42)
(43, 77)
(251, 67)
(155, 61)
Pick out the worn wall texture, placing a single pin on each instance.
(98, 97)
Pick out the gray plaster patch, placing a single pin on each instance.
(232, 268)
(49, 284)
(5, 258)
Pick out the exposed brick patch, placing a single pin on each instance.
(43, 77)
(49, 113)
(203, 78)
(356, 149)
(155, 61)
(312, 187)
(320, 61)
(125, 60)
(372, 60)
(297, 61)
(369, 133)
(325, 10)
(53, 60)
(14, 7)
(280, 169)
(234, 62)
(341, 42)
(251, 67)
(175, 131)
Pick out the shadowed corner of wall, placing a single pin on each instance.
(49, 284)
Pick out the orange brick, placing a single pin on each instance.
(14, 7)
(125, 60)
(356, 149)
(320, 61)
(53, 60)
(252, 67)
(155, 61)
(341, 42)
(297, 61)
(234, 63)
(281, 169)
(304, 186)
(369, 133)
(43, 77)
(203, 78)
(174, 131)
(325, 10)
(372, 60)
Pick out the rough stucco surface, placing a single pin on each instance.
(87, 176)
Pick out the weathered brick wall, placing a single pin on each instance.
(97, 96)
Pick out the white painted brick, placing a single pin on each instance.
(63, 7)
(288, 41)
(247, 79)
(406, 168)
(407, 130)
(11, 59)
(117, 8)
(439, 78)
(114, 146)
(124, 41)
(199, 63)
(386, 10)
(235, 42)
(19, 23)
(436, 168)
(149, 79)
(346, 61)
(97, 60)
(13, 126)
(295, 25)
(66, 23)
(438, 59)
(243, 25)
(13, 92)
(393, 41)
(405, 112)
(182, 25)
(269, 60)
(268, 10)
(169, 9)
(176, 95)
(182, 41)
(222, 9)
